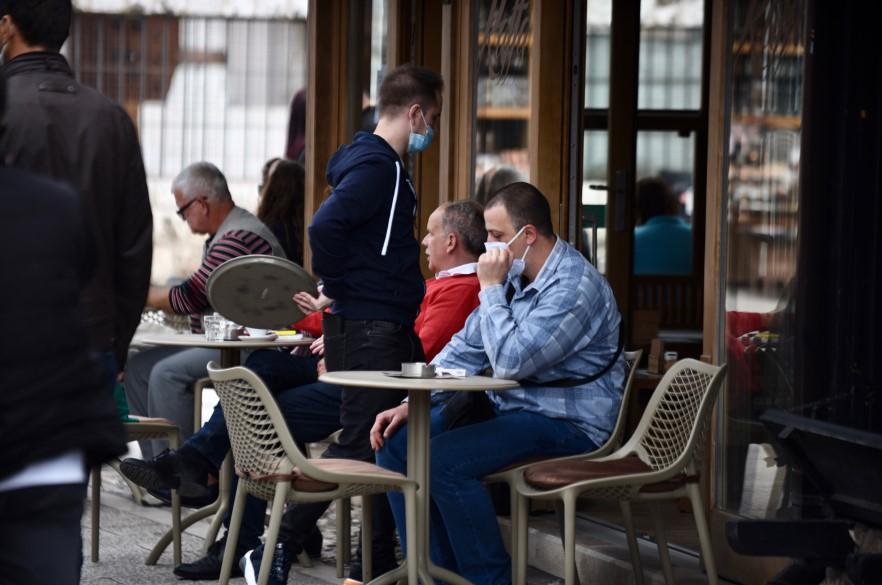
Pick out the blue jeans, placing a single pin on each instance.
(464, 534)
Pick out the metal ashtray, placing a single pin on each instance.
(417, 370)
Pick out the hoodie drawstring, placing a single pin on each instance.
(392, 211)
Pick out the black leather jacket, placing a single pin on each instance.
(56, 127)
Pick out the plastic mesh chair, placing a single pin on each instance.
(510, 473)
(142, 429)
(661, 461)
(271, 467)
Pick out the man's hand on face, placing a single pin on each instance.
(493, 266)
(310, 304)
(386, 423)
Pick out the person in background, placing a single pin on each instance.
(59, 128)
(493, 180)
(281, 206)
(365, 253)
(265, 172)
(159, 381)
(56, 410)
(663, 240)
(546, 318)
(295, 149)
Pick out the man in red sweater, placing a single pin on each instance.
(454, 240)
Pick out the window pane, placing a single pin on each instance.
(663, 241)
(594, 201)
(503, 95)
(599, 18)
(761, 249)
(671, 35)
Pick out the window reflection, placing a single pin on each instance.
(761, 242)
(503, 95)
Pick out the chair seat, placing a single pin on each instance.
(552, 475)
(348, 467)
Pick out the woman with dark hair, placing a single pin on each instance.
(296, 146)
(281, 205)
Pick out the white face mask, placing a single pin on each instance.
(518, 264)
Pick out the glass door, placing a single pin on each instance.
(766, 66)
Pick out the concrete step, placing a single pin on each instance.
(602, 554)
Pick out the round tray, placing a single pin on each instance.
(256, 290)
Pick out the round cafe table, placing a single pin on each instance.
(230, 356)
(419, 400)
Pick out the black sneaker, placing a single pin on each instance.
(209, 566)
(169, 470)
(279, 568)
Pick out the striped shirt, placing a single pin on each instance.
(562, 326)
(191, 296)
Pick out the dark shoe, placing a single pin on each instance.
(313, 544)
(179, 470)
(355, 576)
(164, 496)
(209, 566)
(279, 568)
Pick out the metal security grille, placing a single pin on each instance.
(215, 89)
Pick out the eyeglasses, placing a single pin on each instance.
(183, 209)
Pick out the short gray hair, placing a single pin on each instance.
(203, 179)
(466, 220)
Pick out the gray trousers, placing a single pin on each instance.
(159, 383)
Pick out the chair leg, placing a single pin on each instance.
(633, 547)
(340, 527)
(662, 542)
(367, 531)
(174, 443)
(272, 533)
(520, 509)
(569, 506)
(137, 493)
(704, 537)
(233, 536)
(96, 510)
(560, 516)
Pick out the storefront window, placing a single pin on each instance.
(766, 70)
(503, 95)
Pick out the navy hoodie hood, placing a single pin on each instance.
(362, 237)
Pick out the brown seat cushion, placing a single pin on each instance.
(558, 474)
(304, 483)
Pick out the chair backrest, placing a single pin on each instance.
(261, 441)
(676, 419)
(632, 359)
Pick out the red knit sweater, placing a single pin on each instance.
(447, 304)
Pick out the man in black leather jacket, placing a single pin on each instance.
(56, 412)
(59, 128)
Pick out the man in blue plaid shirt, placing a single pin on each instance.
(548, 319)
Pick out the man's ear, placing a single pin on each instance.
(530, 234)
(452, 242)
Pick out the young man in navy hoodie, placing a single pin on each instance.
(365, 252)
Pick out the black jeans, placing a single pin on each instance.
(359, 345)
(40, 538)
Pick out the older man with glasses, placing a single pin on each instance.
(159, 381)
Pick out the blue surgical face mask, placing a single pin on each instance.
(420, 142)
